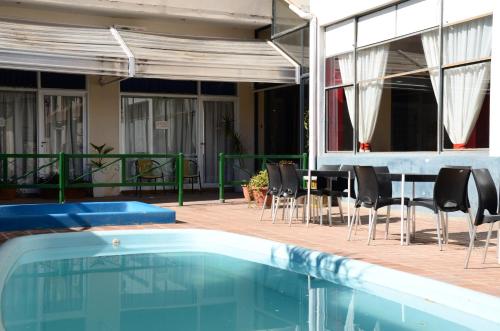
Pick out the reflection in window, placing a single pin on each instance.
(340, 132)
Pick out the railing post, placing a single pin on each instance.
(123, 170)
(5, 169)
(180, 178)
(304, 161)
(62, 177)
(222, 167)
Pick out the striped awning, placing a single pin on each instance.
(56, 48)
(123, 53)
(172, 57)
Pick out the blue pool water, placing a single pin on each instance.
(197, 291)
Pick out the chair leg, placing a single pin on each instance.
(371, 225)
(358, 222)
(471, 247)
(293, 203)
(439, 216)
(351, 223)
(263, 208)
(472, 234)
(320, 210)
(339, 203)
(446, 227)
(486, 244)
(374, 231)
(409, 216)
(330, 210)
(387, 217)
(199, 182)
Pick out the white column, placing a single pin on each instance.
(495, 85)
(313, 88)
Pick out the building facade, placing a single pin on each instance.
(409, 84)
(141, 77)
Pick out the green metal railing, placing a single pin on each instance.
(61, 162)
(302, 158)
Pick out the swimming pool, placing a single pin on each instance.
(210, 280)
(81, 214)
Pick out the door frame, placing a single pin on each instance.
(41, 113)
(201, 129)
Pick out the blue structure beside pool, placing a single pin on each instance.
(85, 214)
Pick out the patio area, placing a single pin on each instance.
(203, 211)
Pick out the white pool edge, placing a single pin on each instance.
(359, 274)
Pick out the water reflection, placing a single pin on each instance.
(186, 291)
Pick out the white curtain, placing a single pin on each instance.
(464, 87)
(371, 65)
(18, 130)
(347, 75)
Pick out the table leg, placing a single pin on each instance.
(402, 207)
(413, 218)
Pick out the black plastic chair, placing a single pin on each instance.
(372, 194)
(291, 188)
(487, 209)
(332, 190)
(450, 195)
(274, 189)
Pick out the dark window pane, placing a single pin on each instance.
(63, 81)
(154, 85)
(340, 130)
(218, 88)
(339, 70)
(296, 45)
(18, 78)
(407, 117)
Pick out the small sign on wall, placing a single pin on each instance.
(161, 125)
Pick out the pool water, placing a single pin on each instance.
(193, 291)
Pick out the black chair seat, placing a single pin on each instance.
(425, 203)
(383, 202)
(491, 218)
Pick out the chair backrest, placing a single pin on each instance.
(343, 181)
(145, 167)
(487, 194)
(384, 181)
(450, 190)
(289, 179)
(274, 174)
(190, 167)
(368, 186)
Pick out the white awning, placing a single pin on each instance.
(56, 48)
(169, 57)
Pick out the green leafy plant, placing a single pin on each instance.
(236, 145)
(260, 180)
(101, 150)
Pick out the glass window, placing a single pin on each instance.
(218, 88)
(296, 45)
(63, 81)
(407, 116)
(155, 85)
(339, 125)
(18, 78)
(466, 106)
(284, 18)
(339, 70)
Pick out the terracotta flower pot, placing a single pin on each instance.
(259, 196)
(247, 193)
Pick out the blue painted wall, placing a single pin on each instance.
(421, 163)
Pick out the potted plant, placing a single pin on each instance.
(7, 193)
(259, 186)
(102, 173)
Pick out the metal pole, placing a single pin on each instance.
(62, 177)
(221, 176)
(180, 178)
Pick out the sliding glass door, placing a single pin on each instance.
(18, 130)
(62, 128)
(219, 137)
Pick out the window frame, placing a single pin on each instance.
(442, 67)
